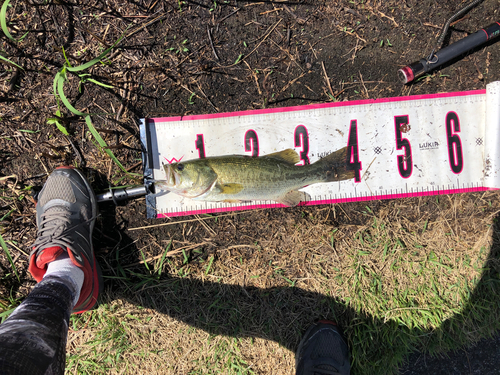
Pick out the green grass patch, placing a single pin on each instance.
(9, 256)
(105, 348)
(223, 356)
(7, 305)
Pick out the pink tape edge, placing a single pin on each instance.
(326, 201)
(315, 106)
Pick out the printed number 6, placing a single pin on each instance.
(454, 144)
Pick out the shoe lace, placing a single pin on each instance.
(53, 229)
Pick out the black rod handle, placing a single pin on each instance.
(418, 68)
(123, 194)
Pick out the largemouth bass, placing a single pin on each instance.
(239, 178)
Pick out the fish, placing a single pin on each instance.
(242, 178)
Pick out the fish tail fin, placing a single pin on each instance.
(334, 166)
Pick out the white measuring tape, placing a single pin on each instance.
(397, 147)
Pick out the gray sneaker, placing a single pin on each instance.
(65, 216)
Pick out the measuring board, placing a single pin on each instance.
(397, 147)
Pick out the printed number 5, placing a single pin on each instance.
(405, 164)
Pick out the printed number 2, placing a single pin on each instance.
(405, 164)
(301, 138)
(454, 144)
(352, 154)
(252, 143)
(200, 145)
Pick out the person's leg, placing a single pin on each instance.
(33, 338)
(322, 351)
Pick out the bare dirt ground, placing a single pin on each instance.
(178, 58)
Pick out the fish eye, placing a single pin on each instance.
(180, 167)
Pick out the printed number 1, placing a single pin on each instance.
(200, 145)
(352, 154)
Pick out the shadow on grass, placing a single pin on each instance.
(480, 316)
(282, 314)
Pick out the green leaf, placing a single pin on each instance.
(3, 22)
(97, 59)
(65, 57)
(102, 143)
(55, 120)
(99, 83)
(60, 92)
(238, 59)
(4, 315)
(163, 257)
(56, 79)
(7, 253)
(9, 61)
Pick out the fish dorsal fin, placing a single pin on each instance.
(289, 156)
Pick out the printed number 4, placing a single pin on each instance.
(352, 154)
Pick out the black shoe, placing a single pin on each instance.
(322, 351)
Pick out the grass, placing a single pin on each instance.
(7, 306)
(393, 284)
(222, 354)
(8, 255)
(114, 344)
(103, 350)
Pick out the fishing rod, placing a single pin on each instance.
(124, 194)
(117, 195)
(436, 59)
(419, 68)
